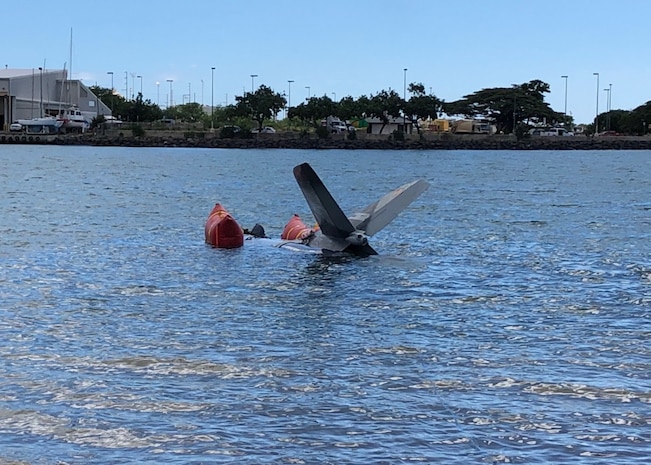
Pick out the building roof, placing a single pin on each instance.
(16, 72)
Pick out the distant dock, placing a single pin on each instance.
(23, 138)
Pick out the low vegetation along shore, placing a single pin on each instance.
(293, 140)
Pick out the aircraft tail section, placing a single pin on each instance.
(379, 214)
(329, 216)
(341, 233)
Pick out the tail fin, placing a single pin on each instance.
(329, 216)
(379, 214)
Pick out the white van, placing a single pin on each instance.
(550, 132)
(335, 125)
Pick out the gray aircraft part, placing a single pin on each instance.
(339, 233)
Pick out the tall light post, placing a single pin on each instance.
(140, 77)
(565, 111)
(515, 96)
(607, 90)
(158, 93)
(171, 102)
(308, 92)
(334, 96)
(610, 97)
(404, 98)
(253, 76)
(40, 68)
(112, 91)
(289, 96)
(596, 118)
(212, 99)
(606, 123)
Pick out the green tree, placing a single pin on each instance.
(637, 121)
(614, 120)
(348, 108)
(189, 112)
(128, 110)
(261, 105)
(140, 110)
(220, 115)
(114, 101)
(102, 93)
(420, 105)
(315, 109)
(507, 106)
(384, 105)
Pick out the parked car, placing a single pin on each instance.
(264, 130)
(229, 131)
(111, 121)
(15, 127)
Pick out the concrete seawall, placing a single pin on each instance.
(293, 140)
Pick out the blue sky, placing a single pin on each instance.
(343, 48)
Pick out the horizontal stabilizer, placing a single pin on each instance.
(379, 214)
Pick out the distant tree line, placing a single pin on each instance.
(509, 108)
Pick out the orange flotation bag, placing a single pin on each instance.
(222, 230)
(295, 229)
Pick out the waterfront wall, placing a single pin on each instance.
(294, 140)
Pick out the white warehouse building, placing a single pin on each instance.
(34, 93)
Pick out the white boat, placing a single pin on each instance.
(73, 120)
(44, 125)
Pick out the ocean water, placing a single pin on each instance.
(506, 319)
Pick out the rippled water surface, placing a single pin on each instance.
(506, 319)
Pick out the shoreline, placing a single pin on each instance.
(292, 140)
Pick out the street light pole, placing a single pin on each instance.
(565, 112)
(308, 92)
(158, 94)
(212, 100)
(40, 68)
(607, 90)
(171, 102)
(112, 92)
(289, 97)
(140, 77)
(596, 118)
(404, 98)
(253, 76)
(515, 96)
(610, 99)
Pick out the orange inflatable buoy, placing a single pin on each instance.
(295, 229)
(222, 230)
